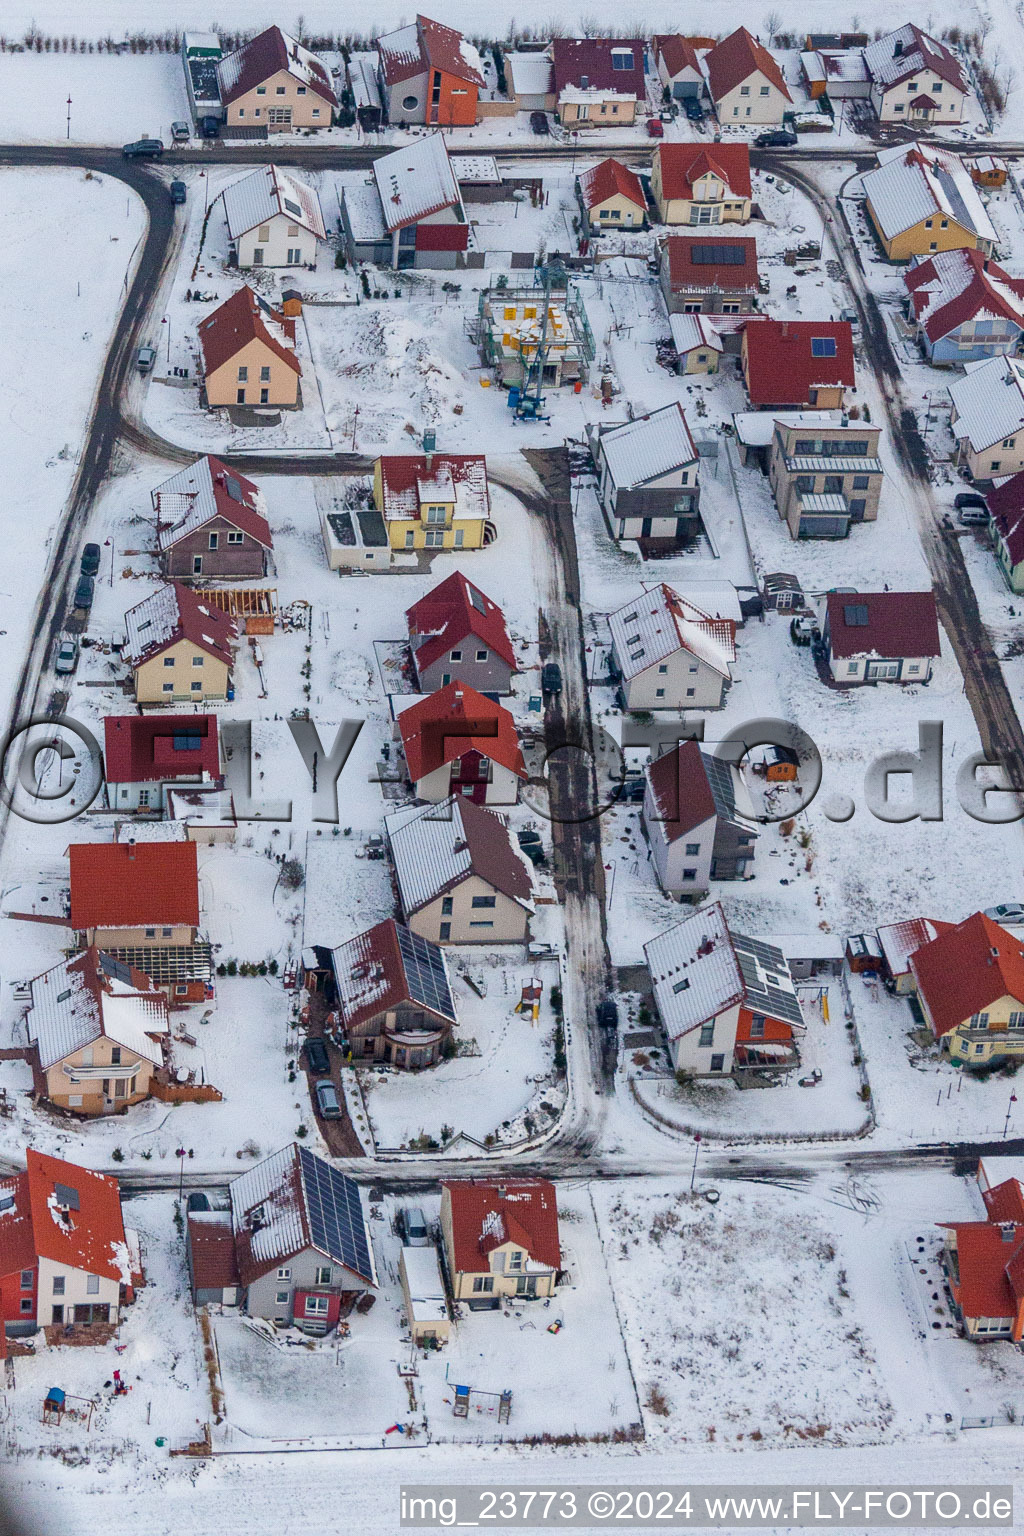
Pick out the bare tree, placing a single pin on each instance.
(771, 24)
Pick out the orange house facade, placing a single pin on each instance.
(429, 74)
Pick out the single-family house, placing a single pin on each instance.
(273, 82)
(745, 82)
(921, 199)
(970, 985)
(249, 354)
(411, 213)
(531, 80)
(429, 73)
(874, 637)
(394, 996)
(302, 1243)
(963, 307)
(461, 878)
(983, 1261)
(987, 418)
(1006, 525)
(179, 647)
(825, 473)
(426, 1301)
(211, 522)
(698, 343)
(678, 66)
(669, 654)
(898, 942)
(701, 275)
(274, 220)
(598, 81)
(727, 1003)
(697, 817)
(125, 895)
(145, 755)
(457, 631)
(648, 479)
(797, 362)
(459, 742)
(96, 1027)
(915, 79)
(610, 196)
(434, 500)
(210, 1257)
(500, 1240)
(694, 185)
(66, 1259)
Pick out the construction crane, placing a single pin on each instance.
(531, 400)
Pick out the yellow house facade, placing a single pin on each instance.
(281, 103)
(254, 376)
(182, 674)
(435, 501)
(698, 193)
(939, 232)
(100, 1079)
(581, 109)
(491, 1252)
(934, 184)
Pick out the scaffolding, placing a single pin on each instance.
(255, 607)
(536, 335)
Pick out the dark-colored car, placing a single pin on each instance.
(539, 122)
(90, 559)
(693, 109)
(317, 1057)
(608, 1014)
(970, 499)
(327, 1099)
(551, 677)
(209, 127)
(776, 138)
(143, 149)
(179, 192)
(84, 592)
(197, 1201)
(631, 790)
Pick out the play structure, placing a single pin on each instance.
(59, 1405)
(530, 1000)
(471, 1399)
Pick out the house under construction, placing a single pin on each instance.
(523, 331)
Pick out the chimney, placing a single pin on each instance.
(897, 48)
(131, 847)
(785, 327)
(1007, 1231)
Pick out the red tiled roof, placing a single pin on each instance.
(179, 518)
(92, 1237)
(677, 52)
(456, 720)
(1006, 504)
(212, 1245)
(174, 612)
(371, 976)
(735, 59)
(134, 885)
(437, 47)
(450, 613)
(682, 793)
(1005, 1202)
(139, 749)
(899, 624)
(17, 1241)
(932, 288)
(964, 971)
(484, 1216)
(683, 164)
(402, 473)
(608, 179)
(591, 58)
(687, 273)
(984, 1258)
(235, 323)
(265, 55)
(781, 367)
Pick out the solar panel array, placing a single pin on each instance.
(722, 788)
(335, 1211)
(477, 599)
(823, 346)
(731, 255)
(781, 1004)
(425, 973)
(233, 488)
(115, 969)
(855, 615)
(66, 1196)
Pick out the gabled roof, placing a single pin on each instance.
(900, 940)
(590, 59)
(449, 614)
(708, 261)
(415, 181)
(436, 847)
(690, 332)
(17, 1240)
(238, 321)
(408, 478)
(426, 45)
(145, 749)
(676, 53)
(683, 164)
(989, 1259)
(134, 885)
(662, 622)
(735, 59)
(952, 287)
(292, 1201)
(989, 401)
(886, 624)
(917, 181)
(902, 54)
(966, 969)
(610, 178)
(211, 1242)
(205, 490)
(457, 719)
(265, 55)
(86, 1235)
(641, 450)
(786, 359)
(1005, 1201)
(269, 193)
(1006, 505)
(387, 966)
(486, 1216)
(90, 997)
(172, 613)
(689, 787)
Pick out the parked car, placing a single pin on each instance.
(197, 1201)
(316, 1055)
(67, 655)
(412, 1227)
(209, 127)
(84, 592)
(973, 517)
(551, 677)
(608, 1014)
(327, 1099)
(90, 559)
(180, 131)
(539, 122)
(145, 358)
(970, 499)
(179, 192)
(693, 109)
(655, 128)
(803, 629)
(143, 149)
(1008, 912)
(631, 789)
(775, 138)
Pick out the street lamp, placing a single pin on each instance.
(69, 117)
(181, 1153)
(696, 1150)
(166, 322)
(1009, 1111)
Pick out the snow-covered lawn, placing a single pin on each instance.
(113, 98)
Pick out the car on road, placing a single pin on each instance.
(551, 677)
(143, 149)
(145, 357)
(327, 1099)
(67, 655)
(179, 192)
(539, 122)
(180, 131)
(90, 559)
(694, 110)
(776, 138)
(608, 1014)
(412, 1227)
(655, 128)
(317, 1059)
(1008, 912)
(84, 592)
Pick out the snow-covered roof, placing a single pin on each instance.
(171, 831)
(952, 287)
(641, 450)
(531, 74)
(907, 52)
(694, 971)
(266, 54)
(433, 847)
(294, 1200)
(989, 401)
(900, 940)
(692, 331)
(171, 613)
(202, 807)
(364, 212)
(424, 1283)
(755, 429)
(90, 996)
(579, 94)
(916, 181)
(388, 966)
(268, 193)
(718, 599)
(415, 181)
(476, 169)
(661, 622)
(362, 77)
(205, 490)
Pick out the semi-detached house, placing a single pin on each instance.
(429, 73)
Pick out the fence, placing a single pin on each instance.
(185, 1093)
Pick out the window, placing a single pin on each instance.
(265, 375)
(214, 540)
(1009, 442)
(196, 687)
(481, 655)
(168, 688)
(284, 1274)
(300, 90)
(978, 1049)
(979, 1021)
(115, 1056)
(280, 91)
(928, 223)
(707, 1034)
(764, 90)
(26, 1303)
(434, 538)
(410, 538)
(165, 932)
(823, 346)
(851, 668)
(92, 1285)
(718, 1063)
(478, 924)
(409, 103)
(482, 1283)
(689, 874)
(605, 213)
(659, 693)
(261, 90)
(168, 661)
(281, 1298)
(692, 850)
(994, 464)
(240, 397)
(691, 693)
(243, 375)
(857, 507)
(58, 1285)
(899, 107)
(234, 537)
(861, 482)
(445, 932)
(455, 656)
(484, 901)
(150, 933)
(937, 86)
(1016, 1021)
(744, 90)
(264, 397)
(680, 986)
(446, 906)
(316, 1306)
(622, 58)
(694, 666)
(515, 1259)
(436, 514)
(181, 990)
(663, 669)
(757, 1027)
(323, 1275)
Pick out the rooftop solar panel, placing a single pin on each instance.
(66, 1196)
(425, 973)
(823, 346)
(730, 255)
(722, 789)
(336, 1224)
